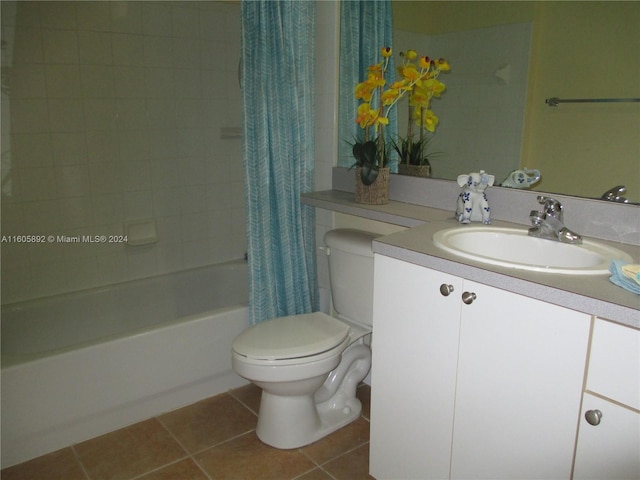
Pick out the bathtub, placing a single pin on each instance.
(78, 365)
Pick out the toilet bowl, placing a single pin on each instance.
(310, 365)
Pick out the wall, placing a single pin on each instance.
(433, 18)
(582, 50)
(117, 111)
(326, 136)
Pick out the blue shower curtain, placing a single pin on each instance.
(365, 27)
(278, 81)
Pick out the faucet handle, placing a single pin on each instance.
(552, 207)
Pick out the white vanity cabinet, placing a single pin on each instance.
(609, 434)
(471, 381)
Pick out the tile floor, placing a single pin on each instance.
(211, 439)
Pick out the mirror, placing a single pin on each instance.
(507, 58)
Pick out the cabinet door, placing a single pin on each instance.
(614, 364)
(520, 374)
(610, 449)
(415, 345)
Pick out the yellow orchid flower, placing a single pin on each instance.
(375, 80)
(390, 96)
(424, 62)
(433, 87)
(410, 54)
(382, 120)
(443, 65)
(386, 52)
(410, 73)
(429, 120)
(363, 91)
(366, 116)
(419, 99)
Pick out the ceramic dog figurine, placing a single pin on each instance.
(473, 205)
(521, 178)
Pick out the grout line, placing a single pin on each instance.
(230, 392)
(79, 460)
(160, 467)
(345, 452)
(222, 442)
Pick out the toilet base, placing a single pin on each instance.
(296, 421)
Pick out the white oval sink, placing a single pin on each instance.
(512, 247)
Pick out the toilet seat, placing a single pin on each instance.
(292, 337)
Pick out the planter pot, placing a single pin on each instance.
(414, 170)
(375, 194)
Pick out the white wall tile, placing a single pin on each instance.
(127, 49)
(157, 51)
(126, 17)
(29, 116)
(72, 181)
(32, 149)
(66, 115)
(156, 18)
(27, 81)
(94, 48)
(93, 16)
(60, 46)
(116, 114)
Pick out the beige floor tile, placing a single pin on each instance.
(59, 465)
(249, 395)
(209, 422)
(183, 470)
(247, 458)
(340, 441)
(129, 452)
(351, 466)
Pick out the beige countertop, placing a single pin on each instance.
(592, 294)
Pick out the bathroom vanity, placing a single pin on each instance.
(477, 382)
(484, 371)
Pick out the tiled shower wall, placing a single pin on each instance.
(119, 111)
(482, 110)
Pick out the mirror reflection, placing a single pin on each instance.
(507, 58)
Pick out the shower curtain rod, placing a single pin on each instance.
(555, 101)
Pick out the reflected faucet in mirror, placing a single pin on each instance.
(615, 194)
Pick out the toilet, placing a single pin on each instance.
(310, 365)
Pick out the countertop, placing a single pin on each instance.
(594, 295)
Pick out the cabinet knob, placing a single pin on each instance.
(445, 289)
(593, 417)
(468, 297)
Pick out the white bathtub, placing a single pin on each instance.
(79, 365)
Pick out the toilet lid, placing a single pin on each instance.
(291, 337)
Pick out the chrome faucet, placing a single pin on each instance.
(615, 194)
(548, 223)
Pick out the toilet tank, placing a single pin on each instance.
(351, 273)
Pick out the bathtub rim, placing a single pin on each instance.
(8, 360)
(15, 360)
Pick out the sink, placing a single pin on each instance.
(514, 248)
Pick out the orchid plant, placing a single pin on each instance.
(411, 150)
(378, 97)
